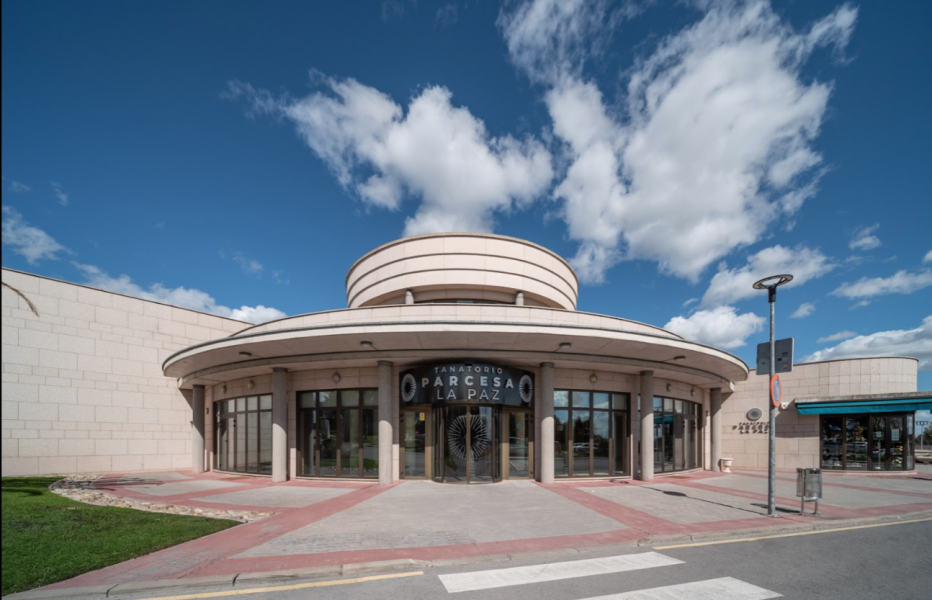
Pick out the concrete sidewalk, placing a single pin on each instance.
(339, 527)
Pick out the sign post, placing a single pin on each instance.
(771, 284)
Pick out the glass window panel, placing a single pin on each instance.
(561, 464)
(855, 442)
(600, 442)
(370, 442)
(329, 436)
(561, 399)
(601, 400)
(265, 442)
(678, 406)
(897, 443)
(658, 438)
(911, 443)
(519, 427)
(307, 399)
(668, 405)
(252, 403)
(240, 404)
(832, 440)
(307, 443)
(252, 442)
(668, 442)
(879, 455)
(349, 397)
(691, 443)
(580, 399)
(619, 429)
(415, 443)
(620, 401)
(349, 443)
(581, 442)
(240, 427)
(679, 451)
(265, 402)
(224, 444)
(370, 397)
(658, 404)
(327, 399)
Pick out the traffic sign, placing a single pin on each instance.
(776, 391)
(783, 363)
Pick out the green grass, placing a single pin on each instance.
(48, 538)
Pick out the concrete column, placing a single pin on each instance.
(634, 444)
(519, 299)
(386, 433)
(279, 424)
(197, 430)
(716, 425)
(647, 425)
(409, 297)
(545, 444)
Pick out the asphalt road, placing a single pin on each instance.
(889, 561)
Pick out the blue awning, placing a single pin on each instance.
(856, 407)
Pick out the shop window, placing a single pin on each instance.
(870, 442)
(338, 433)
(591, 433)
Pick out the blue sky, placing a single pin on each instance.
(237, 157)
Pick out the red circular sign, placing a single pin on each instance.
(776, 391)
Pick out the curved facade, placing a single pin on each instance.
(461, 359)
(454, 267)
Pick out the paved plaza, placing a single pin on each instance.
(318, 523)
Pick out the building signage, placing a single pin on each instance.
(467, 382)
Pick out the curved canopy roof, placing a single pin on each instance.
(415, 334)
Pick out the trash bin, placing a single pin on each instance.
(809, 487)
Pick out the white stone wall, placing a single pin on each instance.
(83, 389)
(798, 443)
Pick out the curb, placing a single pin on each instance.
(384, 566)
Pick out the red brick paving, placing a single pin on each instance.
(212, 555)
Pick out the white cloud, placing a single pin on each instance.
(30, 242)
(732, 285)
(434, 150)
(721, 326)
(900, 342)
(863, 239)
(841, 335)
(714, 143)
(805, 309)
(901, 282)
(59, 193)
(927, 258)
(180, 296)
(19, 188)
(250, 266)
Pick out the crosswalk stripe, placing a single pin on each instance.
(483, 580)
(724, 588)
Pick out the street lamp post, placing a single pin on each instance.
(771, 284)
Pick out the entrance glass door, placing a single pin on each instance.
(468, 444)
(879, 454)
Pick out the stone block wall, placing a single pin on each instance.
(83, 390)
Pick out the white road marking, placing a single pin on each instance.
(725, 588)
(483, 580)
